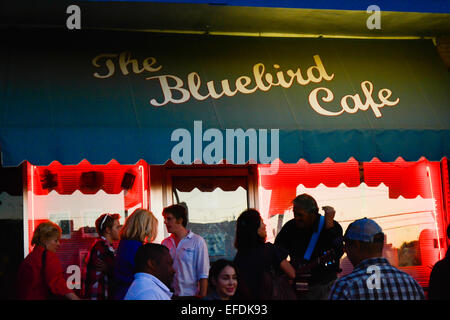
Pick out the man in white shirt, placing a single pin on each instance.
(154, 273)
(189, 252)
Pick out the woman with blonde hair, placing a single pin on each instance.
(40, 275)
(139, 228)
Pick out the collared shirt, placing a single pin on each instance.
(376, 279)
(190, 261)
(98, 283)
(147, 287)
(296, 241)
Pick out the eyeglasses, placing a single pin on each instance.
(104, 219)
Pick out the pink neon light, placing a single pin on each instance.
(32, 197)
(434, 212)
(144, 202)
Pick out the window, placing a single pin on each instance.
(74, 196)
(214, 198)
(405, 198)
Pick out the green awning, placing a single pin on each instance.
(68, 96)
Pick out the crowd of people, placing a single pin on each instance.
(302, 263)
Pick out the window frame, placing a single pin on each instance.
(248, 171)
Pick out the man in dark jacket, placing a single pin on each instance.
(296, 234)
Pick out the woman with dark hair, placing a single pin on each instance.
(222, 280)
(255, 258)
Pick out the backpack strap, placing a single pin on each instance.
(314, 238)
(44, 257)
(44, 263)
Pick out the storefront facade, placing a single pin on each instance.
(103, 121)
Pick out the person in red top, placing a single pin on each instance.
(36, 282)
(100, 263)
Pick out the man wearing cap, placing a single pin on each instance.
(309, 236)
(373, 277)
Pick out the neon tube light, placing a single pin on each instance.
(144, 202)
(32, 197)
(434, 212)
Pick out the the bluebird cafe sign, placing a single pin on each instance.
(174, 89)
(229, 80)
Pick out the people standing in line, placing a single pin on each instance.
(222, 280)
(373, 277)
(189, 253)
(255, 258)
(297, 236)
(40, 275)
(154, 274)
(439, 285)
(139, 228)
(100, 262)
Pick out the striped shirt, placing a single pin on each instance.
(376, 279)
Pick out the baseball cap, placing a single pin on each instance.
(363, 230)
